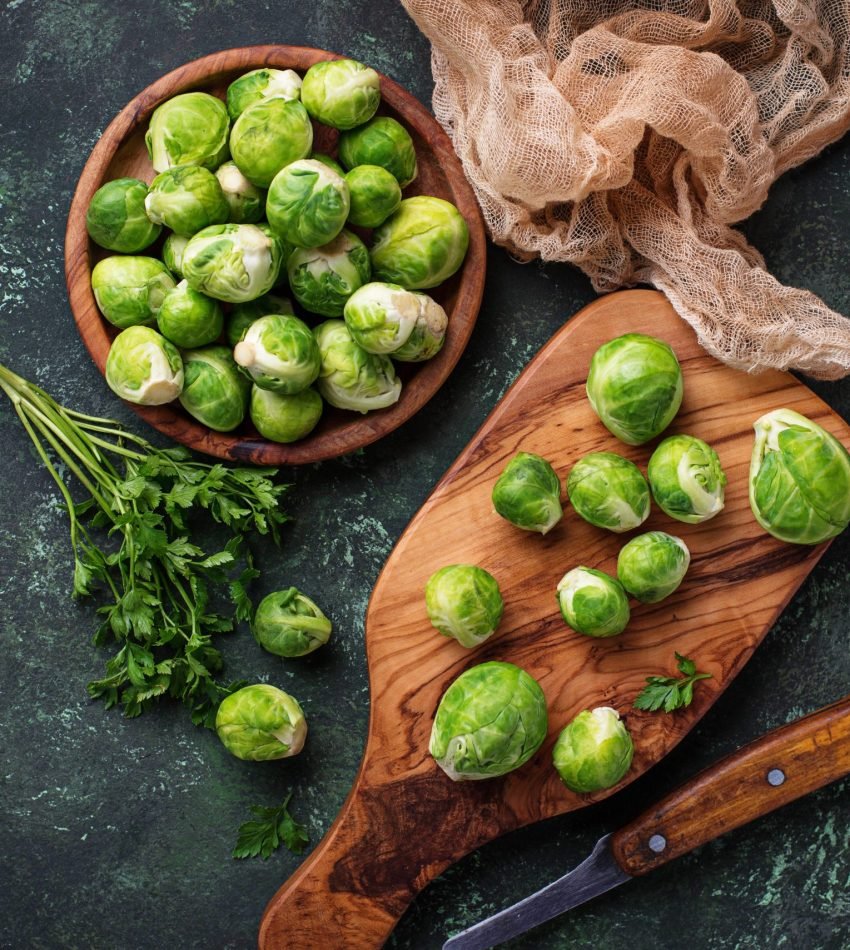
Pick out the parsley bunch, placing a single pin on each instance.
(671, 692)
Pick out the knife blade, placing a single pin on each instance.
(772, 771)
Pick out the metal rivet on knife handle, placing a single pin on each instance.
(657, 843)
(775, 777)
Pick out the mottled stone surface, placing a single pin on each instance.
(117, 833)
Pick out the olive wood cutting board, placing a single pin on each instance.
(405, 820)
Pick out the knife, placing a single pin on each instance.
(778, 768)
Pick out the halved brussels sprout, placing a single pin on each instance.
(329, 162)
(422, 244)
(188, 318)
(528, 493)
(799, 479)
(381, 316)
(323, 278)
(429, 332)
(609, 491)
(490, 721)
(686, 479)
(214, 391)
(173, 249)
(593, 603)
(380, 141)
(233, 262)
(269, 135)
(261, 84)
(287, 623)
(374, 195)
(279, 352)
(464, 601)
(116, 218)
(247, 202)
(652, 565)
(350, 377)
(190, 129)
(186, 198)
(244, 314)
(341, 93)
(143, 367)
(594, 751)
(283, 418)
(307, 203)
(129, 290)
(635, 386)
(260, 723)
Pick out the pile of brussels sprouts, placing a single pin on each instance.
(251, 209)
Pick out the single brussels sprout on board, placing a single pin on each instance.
(279, 352)
(593, 603)
(173, 249)
(232, 262)
(259, 85)
(247, 202)
(421, 244)
(328, 162)
(341, 93)
(214, 391)
(686, 478)
(189, 129)
(282, 418)
(352, 378)
(380, 141)
(289, 624)
(188, 318)
(116, 218)
(464, 602)
(244, 314)
(260, 723)
(490, 721)
(322, 279)
(186, 199)
(652, 565)
(269, 135)
(129, 290)
(307, 203)
(374, 194)
(635, 386)
(381, 316)
(429, 332)
(143, 367)
(528, 493)
(799, 484)
(609, 491)
(594, 751)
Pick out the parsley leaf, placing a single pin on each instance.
(670, 692)
(275, 826)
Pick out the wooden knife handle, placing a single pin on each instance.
(776, 769)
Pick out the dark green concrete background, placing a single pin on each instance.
(117, 833)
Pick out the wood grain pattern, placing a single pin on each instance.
(121, 152)
(405, 821)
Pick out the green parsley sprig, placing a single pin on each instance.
(670, 692)
(275, 827)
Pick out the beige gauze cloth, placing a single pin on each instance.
(628, 138)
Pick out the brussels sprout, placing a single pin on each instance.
(429, 332)
(190, 129)
(528, 493)
(799, 479)
(350, 377)
(233, 262)
(173, 249)
(328, 162)
(463, 601)
(323, 278)
(307, 203)
(490, 721)
(593, 603)
(130, 290)
(246, 202)
(609, 491)
(594, 751)
(374, 194)
(117, 219)
(279, 352)
(188, 318)
(635, 386)
(261, 722)
(381, 317)
(381, 141)
(282, 418)
(143, 367)
(261, 84)
(422, 244)
(214, 391)
(341, 93)
(686, 479)
(186, 198)
(652, 565)
(244, 314)
(287, 623)
(269, 135)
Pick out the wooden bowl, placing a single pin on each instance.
(121, 152)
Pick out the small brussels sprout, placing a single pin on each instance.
(686, 479)
(129, 290)
(261, 722)
(609, 491)
(490, 721)
(350, 377)
(287, 623)
(528, 493)
(464, 601)
(652, 565)
(269, 135)
(214, 391)
(188, 318)
(381, 316)
(374, 194)
(143, 367)
(323, 278)
(635, 386)
(329, 162)
(380, 141)
(429, 333)
(173, 249)
(279, 352)
(799, 479)
(232, 262)
(246, 202)
(244, 314)
(190, 129)
(307, 203)
(421, 244)
(261, 84)
(283, 418)
(594, 751)
(341, 93)
(117, 219)
(186, 198)
(593, 603)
